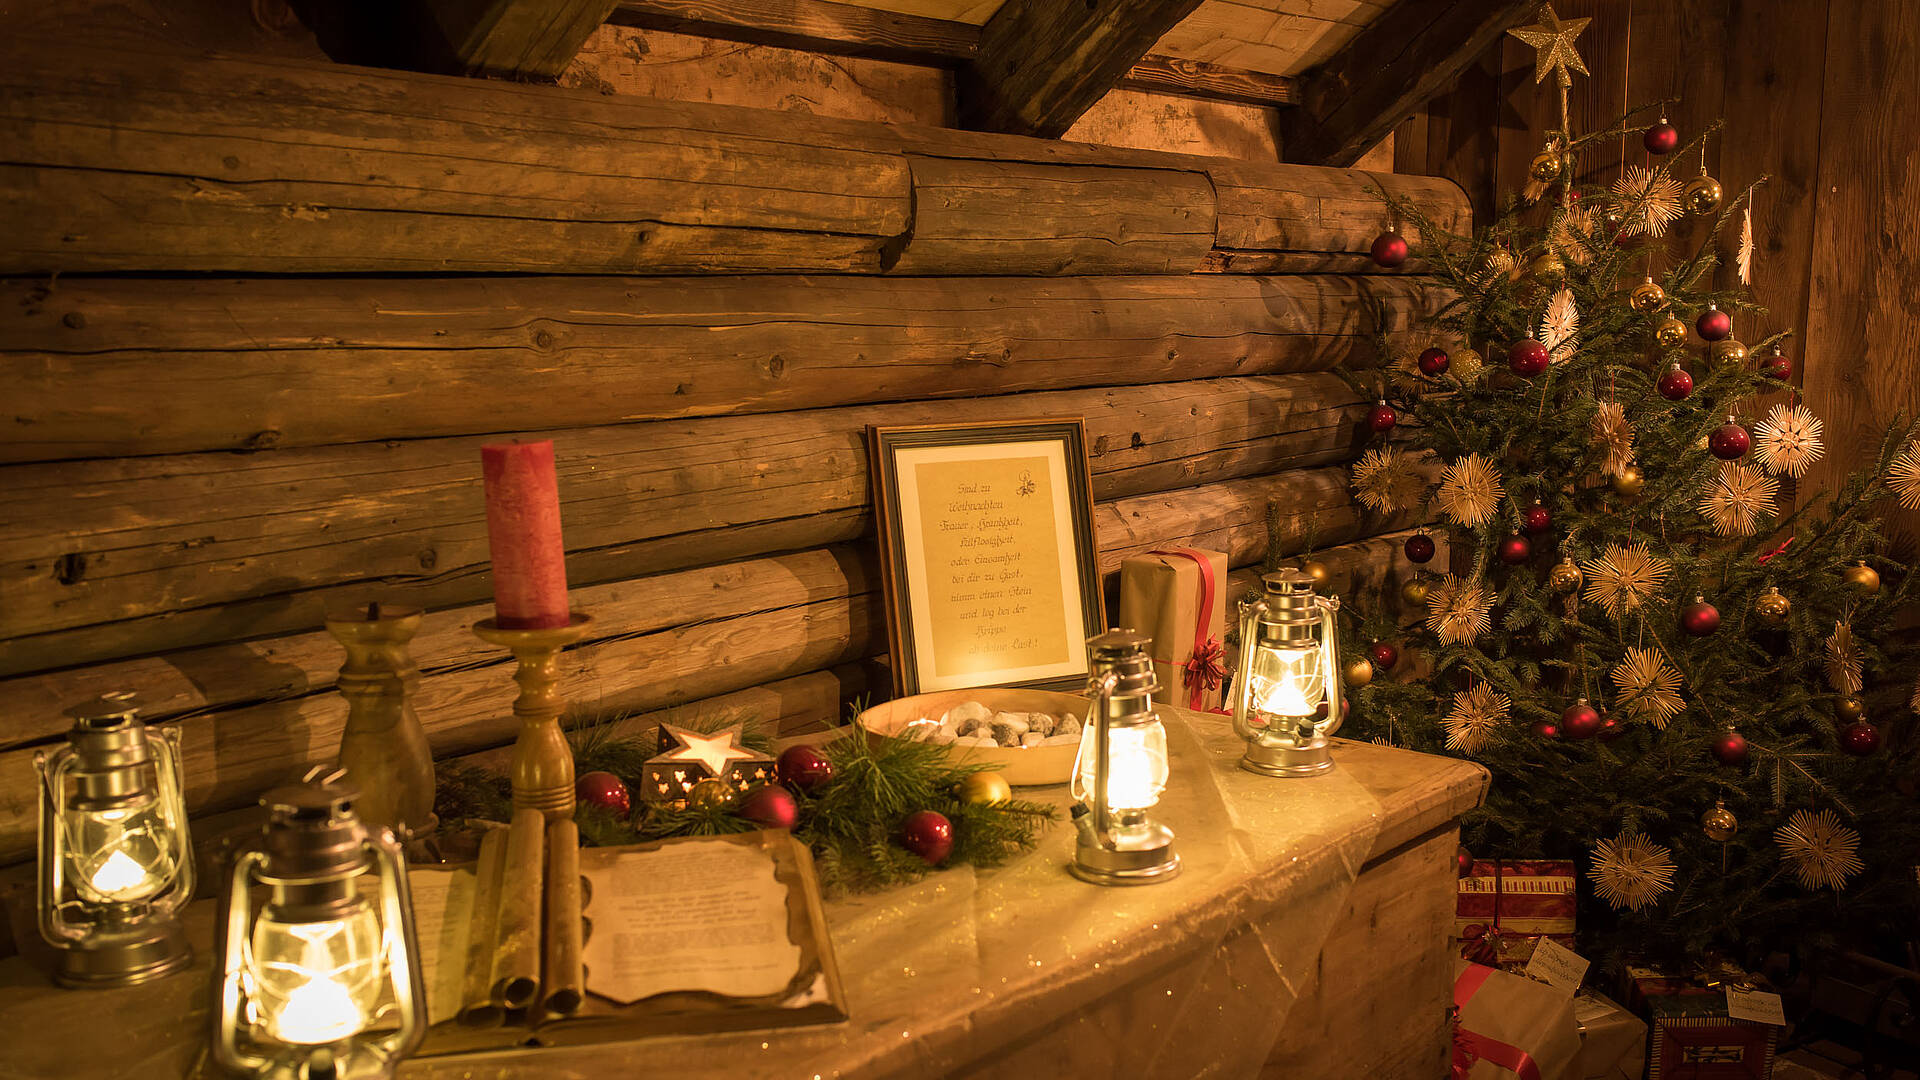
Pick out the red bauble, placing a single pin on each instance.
(1676, 384)
(1611, 728)
(1859, 738)
(770, 806)
(1546, 729)
(1580, 721)
(1730, 749)
(1383, 655)
(1777, 366)
(1713, 325)
(1419, 548)
(1536, 519)
(1381, 417)
(1389, 249)
(1661, 138)
(1463, 860)
(1729, 441)
(604, 790)
(1527, 358)
(1699, 618)
(928, 835)
(1433, 361)
(803, 768)
(1515, 550)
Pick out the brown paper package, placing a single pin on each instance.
(1160, 597)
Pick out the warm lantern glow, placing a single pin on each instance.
(1287, 682)
(121, 856)
(1136, 766)
(316, 982)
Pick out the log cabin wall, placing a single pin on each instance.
(262, 309)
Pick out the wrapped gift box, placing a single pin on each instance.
(1505, 906)
(1508, 1026)
(1178, 598)
(1692, 1037)
(1613, 1041)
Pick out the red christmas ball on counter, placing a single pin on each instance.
(1713, 324)
(1433, 361)
(1676, 384)
(1419, 548)
(1729, 441)
(1527, 358)
(1730, 749)
(1611, 728)
(929, 835)
(1860, 738)
(804, 768)
(1381, 417)
(1661, 138)
(1383, 655)
(1515, 550)
(1389, 249)
(1777, 366)
(1536, 519)
(1580, 721)
(604, 790)
(770, 806)
(1699, 618)
(1546, 729)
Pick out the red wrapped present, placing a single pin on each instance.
(1178, 598)
(1505, 906)
(1692, 1036)
(1507, 1027)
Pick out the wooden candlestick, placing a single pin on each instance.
(384, 749)
(542, 769)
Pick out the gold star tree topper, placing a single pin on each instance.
(1552, 41)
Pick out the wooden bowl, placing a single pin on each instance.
(1030, 766)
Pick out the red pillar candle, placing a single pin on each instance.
(523, 533)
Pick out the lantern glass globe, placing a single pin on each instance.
(316, 982)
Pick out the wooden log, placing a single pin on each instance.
(1264, 211)
(119, 557)
(1215, 82)
(508, 38)
(229, 163)
(110, 367)
(232, 753)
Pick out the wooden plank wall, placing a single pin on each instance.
(1816, 95)
(260, 315)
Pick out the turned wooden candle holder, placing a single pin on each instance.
(542, 768)
(384, 749)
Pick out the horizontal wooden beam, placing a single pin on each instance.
(1199, 79)
(237, 164)
(113, 367)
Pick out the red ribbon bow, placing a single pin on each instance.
(1776, 551)
(1207, 669)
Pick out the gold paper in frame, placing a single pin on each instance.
(989, 566)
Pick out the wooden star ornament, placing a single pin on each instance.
(1552, 41)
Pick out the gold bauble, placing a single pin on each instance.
(1629, 482)
(1318, 572)
(1647, 296)
(1862, 579)
(1564, 577)
(1499, 261)
(1719, 823)
(985, 789)
(1670, 332)
(709, 795)
(1849, 709)
(1545, 167)
(1702, 194)
(1547, 265)
(1415, 591)
(1771, 607)
(1358, 672)
(1729, 353)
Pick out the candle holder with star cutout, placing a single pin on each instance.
(687, 757)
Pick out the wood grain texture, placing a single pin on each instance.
(1273, 36)
(1042, 63)
(100, 367)
(1186, 125)
(513, 38)
(1196, 78)
(1409, 54)
(816, 25)
(1455, 134)
(1262, 210)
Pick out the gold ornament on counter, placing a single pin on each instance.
(1789, 441)
(1728, 353)
(1719, 823)
(1631, 871)
(1847, 710)
(1771, 607)
(1861, 578)
(1702, 194)
(1470, 491)
(1477, 712)
(1622, 576)
(1565, 577)
(1647, 296)
(1415, 591)
(985, 789)
(1358, 672)
(1820, 850)
(1318, 571)
(1629, 482)
(1670, 332)
(710, 794)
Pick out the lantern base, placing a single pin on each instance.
(1310, 760)
(124, 955)
(1139, 856)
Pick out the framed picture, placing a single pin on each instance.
(987, 554)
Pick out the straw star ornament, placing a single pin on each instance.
(1789, 440)
(1614, 436)
(1477, 713)
(1459, 610)
(1903, 476)
(1739, 499)
(1552, 41)
(1844, 668)
(1743, 255)
(1560, 326)
(1470, 491)
(1649, 199)
(1649, 689)
(1621, 577)
(1630, 871)
(1385, 480)
(1819, 850)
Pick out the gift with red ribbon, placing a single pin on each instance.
(1177, 597)
(1505, 906)
(1507, 1026)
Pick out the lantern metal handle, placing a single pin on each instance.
(1250, 613)
(236, 915)
(1100, 688)
(53, 800)
(1330, 658)
(171, 772)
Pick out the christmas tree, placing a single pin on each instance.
(1675, 681)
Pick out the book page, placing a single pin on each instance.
(442, 915)
(695, 915)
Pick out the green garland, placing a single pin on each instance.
(851, 822)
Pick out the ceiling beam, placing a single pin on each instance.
(1411, 52)
(1194, 78)
(1043, 63)
(509, 38)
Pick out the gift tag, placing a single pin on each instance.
(1557, 966)
(1757, 1006)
